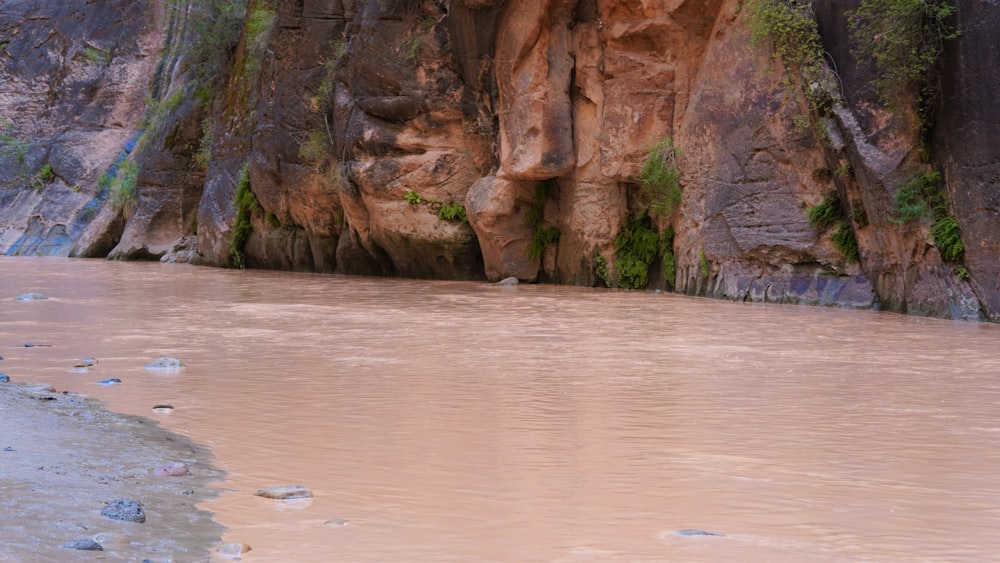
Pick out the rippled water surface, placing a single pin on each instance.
(453, 421)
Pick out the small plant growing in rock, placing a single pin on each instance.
(315, 148)
(413, 198)
(542, 236)
(453, 211)
(94, 56)
(703, 263)
(122, 192)
(948, 238)
(203, 156)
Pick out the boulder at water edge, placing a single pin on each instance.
(125, 510)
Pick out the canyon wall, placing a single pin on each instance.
(482, 139)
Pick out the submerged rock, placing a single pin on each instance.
(4, 378)
(109, 381)
(86, 363)
(288, 492)
(163, 407)
(30, 296)
(698, 533)
(125, 510)
(85, 544)
(509, 281)
(340, 522)
(166, 364)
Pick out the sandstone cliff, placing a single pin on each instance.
(480, 139)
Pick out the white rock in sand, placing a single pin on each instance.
(233, 550)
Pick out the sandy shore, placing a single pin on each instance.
(64, 457)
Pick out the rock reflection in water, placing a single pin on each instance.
(464, 422)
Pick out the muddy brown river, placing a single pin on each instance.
(457, 421)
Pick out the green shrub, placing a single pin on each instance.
(829, 214)
(246, 207)
(542, 236)
(660, 178)
(846, 242)
(669, 260)
(703, 263)
(453, 211)
(919, 196)
(636, 246)
(46, 174)
(904, 39)
(601, 270)
(122, 191)
(948, 238)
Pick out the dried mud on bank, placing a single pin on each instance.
(63, 457)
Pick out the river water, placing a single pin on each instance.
(459, 421)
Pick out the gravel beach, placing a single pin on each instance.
(64, 459)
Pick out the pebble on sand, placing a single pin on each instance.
(171, 469)
(85, 544)
(287, 492)
(125, 510)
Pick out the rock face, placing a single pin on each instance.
(488, 139)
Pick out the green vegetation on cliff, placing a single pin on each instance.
(637, 245)
(660, 179)
(790, 28)
(829, 214)
(904, 39)
(542, 235)
(920, 196)
(246, 207)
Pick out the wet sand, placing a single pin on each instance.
(63, 457)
